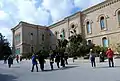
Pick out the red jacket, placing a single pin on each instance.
(109, 54)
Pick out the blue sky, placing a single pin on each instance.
(41, 12)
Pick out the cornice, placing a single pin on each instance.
(25, 24)
(57, 24)
(99, 6)
(107, 33)
(66, 19)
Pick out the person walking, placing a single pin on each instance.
(17, 59)
(5, 59)
(62, 59)
(110, 54)
(92, 58)
(101, 57)
(10, 61)
(57, 59)
(41, 61)
(51, 60)
(34, 62)
(66, 58)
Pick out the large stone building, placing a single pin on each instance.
(99, 24)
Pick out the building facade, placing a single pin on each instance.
(99, 24)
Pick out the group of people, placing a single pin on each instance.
(61, 58)
(10, 60)
(53, 57)
(109, 53)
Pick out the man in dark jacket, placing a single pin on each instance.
(62, 59)
(41, 61)
(34, 62)
(10, 61)
(110, 54)
(57, 59)
(66, 58)
(51, 56)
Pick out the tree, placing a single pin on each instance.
(78, 45)
(62, 43)
(5, 49)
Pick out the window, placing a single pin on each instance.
(73, 26)
(89, 42)
(119, 18)
(102, 23)
(31, 36)
(17, 51)
(42, 37)
(17, 38)
(50, 48)
(88, 27)
(32, 50)
(105, 42)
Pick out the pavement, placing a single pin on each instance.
(80, 70)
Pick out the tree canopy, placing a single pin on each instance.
(5, 49)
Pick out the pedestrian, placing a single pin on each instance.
(5, 60)
(17, 58)
(57, 59)
(62, 59)
(10, 61)
(34, 62)
(110, 54)
(51, 59)
(21, 58)
(92, 58)
(41, 60)
(101, 57)
(66, 58)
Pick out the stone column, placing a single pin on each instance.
(13, 42)
(68, 30)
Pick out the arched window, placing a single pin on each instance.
(102, 23)
(73, 26)
(119, 17)
(89, 42)
(105, 42)
(63, 34)
(42, 37)
(88, 27)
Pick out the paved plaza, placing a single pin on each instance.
(78, 71)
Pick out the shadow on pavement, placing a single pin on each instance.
(15, 66)
(5, 77)
(65, 68)
(109, 67)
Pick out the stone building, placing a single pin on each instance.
(99, 24)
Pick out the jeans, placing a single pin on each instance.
(58, 65)
(42, 66)
(51, 64)
(93, 62)
(111, 61)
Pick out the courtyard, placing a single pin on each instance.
(80, 70)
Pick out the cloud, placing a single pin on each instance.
(14, 11)
(3, 15)
(58, 8)
(83, 4)
(41, 12)
(7, 33)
